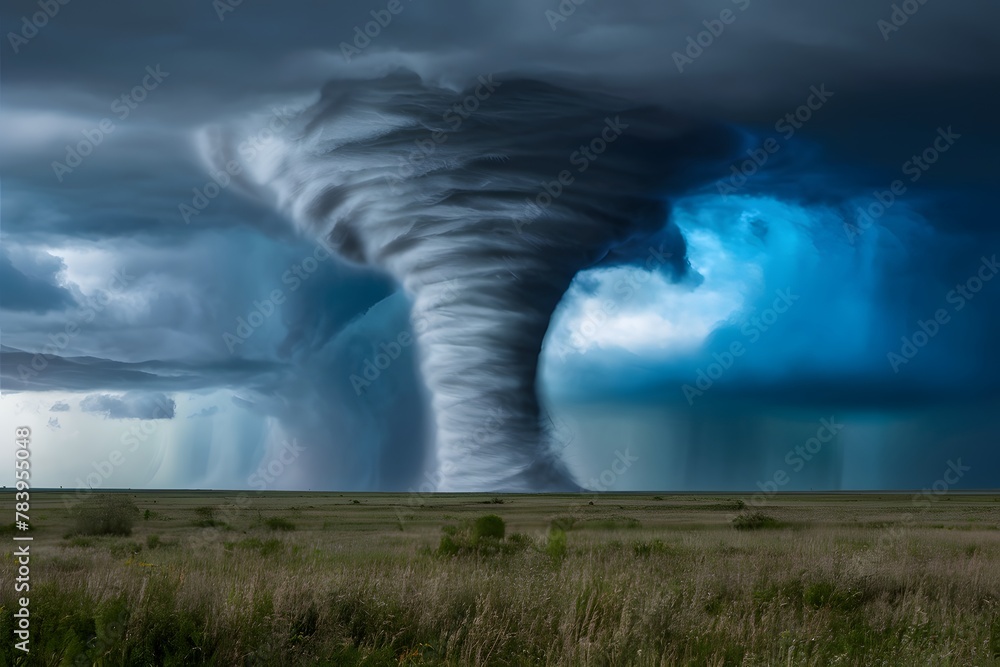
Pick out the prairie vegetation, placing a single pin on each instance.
(297, 579)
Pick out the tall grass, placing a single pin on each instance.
(684, 588)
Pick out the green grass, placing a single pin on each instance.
(627, 580)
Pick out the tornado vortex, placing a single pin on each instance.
(484, 204)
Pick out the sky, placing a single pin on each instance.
(779, 266)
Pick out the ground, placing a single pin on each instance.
(404, 579)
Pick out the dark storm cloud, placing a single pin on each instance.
(192, 281)
(132, 405)
(762, 61)
(36, 293)
(26, 371)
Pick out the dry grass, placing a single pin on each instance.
(845, 580)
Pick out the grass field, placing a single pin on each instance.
(384, 579)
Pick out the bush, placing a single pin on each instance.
(278, 523)
(556, 545)
(105, 514)
(826, 594)
(754, 521)
(124, 549)
(483, 537)
(448, 546)
(563, 523)
(8, 529)
(520, 539)
(489, 526)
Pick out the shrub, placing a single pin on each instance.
(826, 594)
(754, 521)
(563, 523)
(520, 539)
(278, 523)
(448, 546)
(105, 514)
(152, 541)
(488, 526)
(483, 537)
(556, 545)
(123, 549)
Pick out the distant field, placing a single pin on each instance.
(393, 579)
